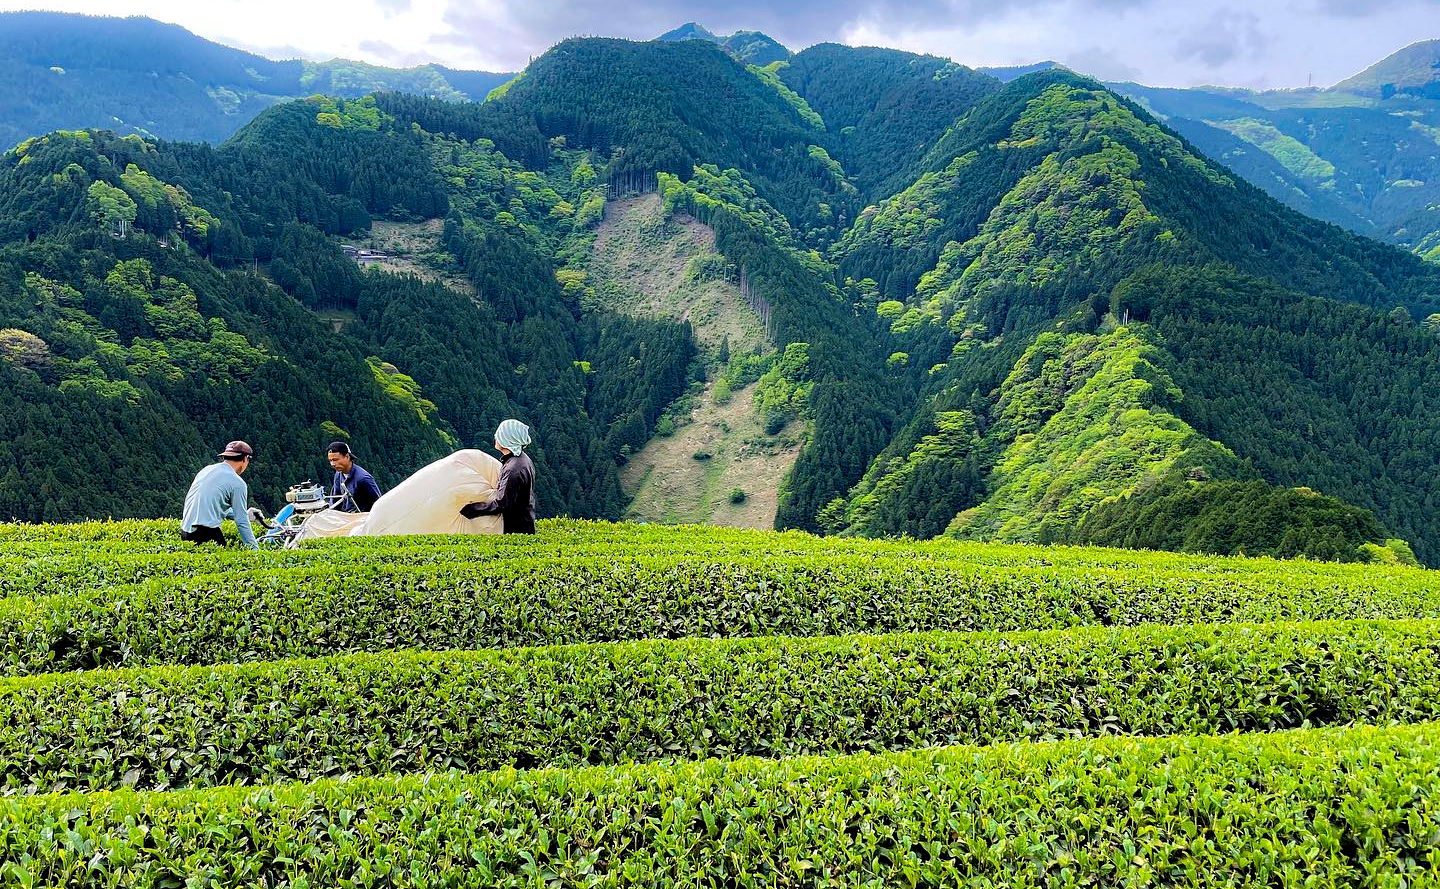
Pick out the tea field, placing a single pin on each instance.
(630, 705)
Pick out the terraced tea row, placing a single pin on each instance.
(604, 704)
(44, 560)
(306, 612)
(639, 648)
(1336, 808)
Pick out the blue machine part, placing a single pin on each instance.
(279, 533)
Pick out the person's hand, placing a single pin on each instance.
(471, 510)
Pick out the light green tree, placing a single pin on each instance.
(112, 208)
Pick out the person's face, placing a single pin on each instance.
(503, 450)
(242, 466)
(340, 462)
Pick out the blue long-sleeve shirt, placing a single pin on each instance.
(218, 493)
(361, 485)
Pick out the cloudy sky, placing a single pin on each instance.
(1267, 43)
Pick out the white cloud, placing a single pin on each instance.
(1171, 44)
(318, 29)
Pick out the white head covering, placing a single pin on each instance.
(513, 436)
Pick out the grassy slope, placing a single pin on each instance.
(639, 266)
(639, 262)
(671, 486)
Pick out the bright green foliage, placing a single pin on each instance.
(920, 492)
(1107, 428)
(908, 220)
(1035, 185)
(1394, 552)
(1292, 154)
(836, 171)
(1076, 111)
(710, 189)
(1064, 212)
(42, 560)
(784, 390)
(171, 344)
(427, 599)
(1404, 555)
(769, 74)
(1231, 517)
(500, 91)
(340, 114)
(1376, 554)
(1339, 806)
(112, 208)
(403, 389)
(485, 183)
(154, 194)
(743, 369)
(395, 713)
(1067, 212)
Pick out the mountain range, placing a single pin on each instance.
(1363, 154)
(937, 302)
(137, 75)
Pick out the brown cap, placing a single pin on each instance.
(237, 449)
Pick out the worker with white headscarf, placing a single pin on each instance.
(515, 491)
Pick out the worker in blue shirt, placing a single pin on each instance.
(356, 486)
(218, 493)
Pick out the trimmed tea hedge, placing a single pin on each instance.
(408, 712)
(1334, 808)
(38, 560)
(314, 611)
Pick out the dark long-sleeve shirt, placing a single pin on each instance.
(514, 496)
(361, 485)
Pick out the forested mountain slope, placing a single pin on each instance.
(1055, 204)
(883, 108)
(137, 333)
(137, 75)
(1362, 154)
(1024, 311)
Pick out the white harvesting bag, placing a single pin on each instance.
(427, 502)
